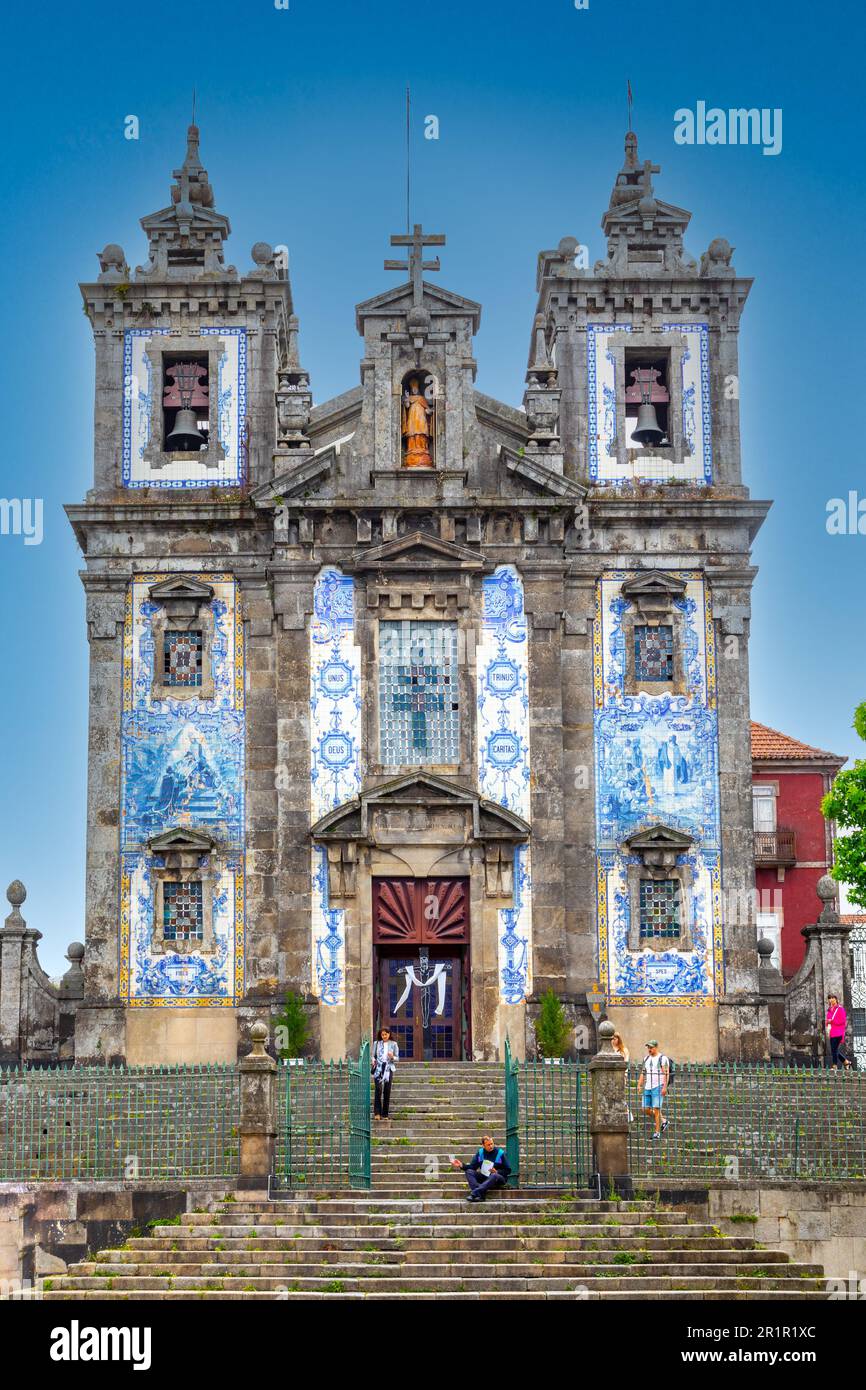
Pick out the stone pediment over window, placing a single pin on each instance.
(181, 590)
(425, 807)
(659, 845)
(181, 840)
(653, 591)
(417, 550)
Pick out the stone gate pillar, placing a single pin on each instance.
(609, 1112)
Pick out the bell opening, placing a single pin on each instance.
(647, 400)
(185, 403)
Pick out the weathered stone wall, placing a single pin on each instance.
(822, 1223)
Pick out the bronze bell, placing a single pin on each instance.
(647, 432)
(185, 434)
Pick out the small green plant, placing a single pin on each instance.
(743, 1218)
(291, 1030)
(624, 1257)
(552, 1028)
(335, 1286)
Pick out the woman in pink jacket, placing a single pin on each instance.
(836, 1023)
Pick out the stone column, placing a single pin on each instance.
(258, 1111)
(609, 1113)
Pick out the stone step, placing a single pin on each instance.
(616, 1277)
(534, 1295)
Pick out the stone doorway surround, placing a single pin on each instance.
(421, 826)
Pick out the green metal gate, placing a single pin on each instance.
(323, 1124)
(547, 1123)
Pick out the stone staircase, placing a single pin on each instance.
(414, 1236)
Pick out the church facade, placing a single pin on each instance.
(413, 701)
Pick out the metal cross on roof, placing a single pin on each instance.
(416, 264)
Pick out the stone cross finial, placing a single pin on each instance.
(416, 264)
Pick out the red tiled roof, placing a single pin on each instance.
(769, 743)
(852, 919)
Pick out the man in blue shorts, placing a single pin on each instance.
(656, 1073)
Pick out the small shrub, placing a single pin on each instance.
(291, 1026)
(552, 1028)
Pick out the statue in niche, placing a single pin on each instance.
(416, 426)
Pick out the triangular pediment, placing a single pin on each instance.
(182, 838)
(418, 549)
(181, 587)
(200, 217)
(400, 299)
(663, 214)
(654, 582)
(490, 821)
(659, 837)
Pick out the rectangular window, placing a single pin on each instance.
(764, 806)
(182, 658)
(419, 718)
(659, 907)
(182, 912)
(654, 653)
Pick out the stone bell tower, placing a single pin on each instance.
(659, 845)
(180, 914)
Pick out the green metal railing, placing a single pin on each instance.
(119, 1123)
(547, 1123)
(323, 1124)
(739, 1122)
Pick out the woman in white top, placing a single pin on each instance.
(386, 1054)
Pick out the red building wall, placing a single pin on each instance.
(798, 807)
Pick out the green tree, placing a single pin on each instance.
(552, 1028)
(290, 1027)
(845, 804)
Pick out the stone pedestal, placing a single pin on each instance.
(609, 1114)
(258, 1112)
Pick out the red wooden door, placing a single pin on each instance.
(421, 943)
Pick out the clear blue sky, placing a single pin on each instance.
(301, 116)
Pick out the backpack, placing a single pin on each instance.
(672, 1071)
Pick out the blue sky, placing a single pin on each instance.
(301, 114)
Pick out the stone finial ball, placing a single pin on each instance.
(113, 254)
(568, 247)
(75, 951)
(606, 1030)
(262, 253)
(16, 892)
(765, 947)
(826, 888)
(259, 1031)
(720, 249)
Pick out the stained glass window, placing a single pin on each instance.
(182, 911)
(419, 717)
(182, 658)
(659, 907)
(654, 653)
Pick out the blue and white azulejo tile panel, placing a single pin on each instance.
(656, 762)
(502, 739)
(335, 757)
(696, 465)
(138, 402)
(182, 765)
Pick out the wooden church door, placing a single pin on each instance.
(421, 950)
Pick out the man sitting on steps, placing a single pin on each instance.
(488, 1169)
